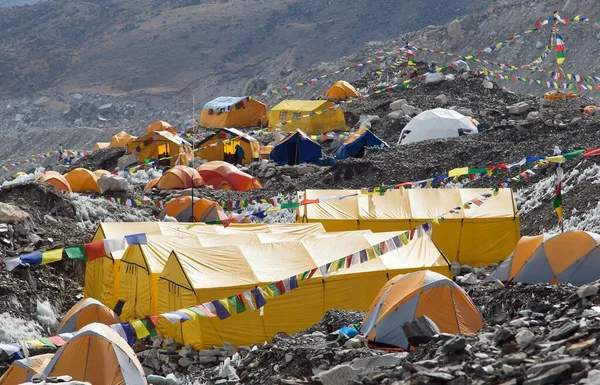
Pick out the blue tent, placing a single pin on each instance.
(355, 145)
(296, 148)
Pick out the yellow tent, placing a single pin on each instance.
(225, 140)
(341, 90)
(122, 139)
(325, 118)
(238, 112)
(102, 274)
(160, 125)
(199, 275)
(101, 146)
(480, 235)
(82, 180)
(160, 145)
(142, 265)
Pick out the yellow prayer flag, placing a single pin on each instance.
(403, 238)
(458, 171)
(225, 303)
(556, 159)
(189, 312)
(435, 221)
(51, 256)
(371, 253)
(35, 343)
(140, 329)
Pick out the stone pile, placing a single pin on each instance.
(555, 111)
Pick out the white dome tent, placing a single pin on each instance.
(436, 124)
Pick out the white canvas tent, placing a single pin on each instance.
(436, 124)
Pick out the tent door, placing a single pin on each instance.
(292, 150)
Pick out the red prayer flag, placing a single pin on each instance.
(312, 272)
(240, 297)
(592, 152)
(94, 250)
(309, 201)
(153, 319)
(57, 340)
(280, 286)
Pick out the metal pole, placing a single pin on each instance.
(193, 152)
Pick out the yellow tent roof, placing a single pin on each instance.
(292, 112)
(207, 274)
(302, 105)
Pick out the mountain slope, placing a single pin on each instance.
(116, 47)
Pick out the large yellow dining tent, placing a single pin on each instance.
(311, 116)
(196, 276)
(102, 274)
(480, 235)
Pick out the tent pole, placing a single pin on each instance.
(194, 131)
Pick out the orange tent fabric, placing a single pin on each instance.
(122, 139)
(160, 125)
(85, 312)
(341, 90)
(180, 177)
(204, 210)
(82, 180)
(572, 257)
(101, 146)
(99, 173)
(225, 176)
(55, 179)
(152, 184)
(407, 297)
(22, 371)
(98, 355)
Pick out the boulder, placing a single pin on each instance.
(469, 279)
(465, 112)
(107, 106)
(397, 105)
(442, 99)
(434, 78)
(454, 344)
(519, 108)
(524, 338)
(126, 160)
(420, 330)
(12, 214)
(339, 375)
(301, 170)
(533, 115)
(450, 77)
(396, 115)
(488, 85)
(409, 110)
(112, 183)
(587, 291)
(455, 30)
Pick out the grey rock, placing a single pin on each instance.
(301, 170)
(593, 378)
(488, 85)
(465, 112)
(456, 344)
(207, 359)
(34, 238)
(339, 375)
(353, 343)
(126, 160)
(41, 101)
(270, 173)
(575, 364)
(450, 77)
(11, 214)
(565, 331)
(442, 99)
(420, 330)
(383, 361)
(397, 105)
(409, 110)
(503, 335)
(112, 183)
(396, 115)
(469, 279)
(524, 338)
(456, 268)
(519, 108)
(587, 291)
(107, 106)
(434, 78)
(533, 115)
(552, 376)
(549, 122)
(77, 96)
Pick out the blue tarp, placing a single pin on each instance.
(355, 149)
(296, 148)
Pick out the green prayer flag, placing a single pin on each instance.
(148, 324)
(47, 342)
(290, 205)
(237, 304)
(197, 311)
(477, 170)
(573, 155)
(76, 252)
(273, 287)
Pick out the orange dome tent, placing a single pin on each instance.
(22, 371)
(204, 210)
(101, 146)
(160, 125)
(167, 148)
(152, 184)
(99, 173)
(180, 177)
(82, 180)
(55, 179)
(98, 355)
(572, 257)
(225, 176)
(407, 297)
(122, 139)
(341, 90)
(85, 312)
